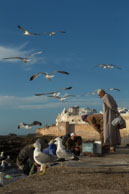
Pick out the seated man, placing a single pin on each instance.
(73, 143)
(25, 160)
(96, 121)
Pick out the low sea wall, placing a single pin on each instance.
(86, 131)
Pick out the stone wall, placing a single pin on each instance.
(84, 130)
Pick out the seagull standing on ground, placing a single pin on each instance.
(61, 151)
(29, 126)
(108, 66)
(25, 59)
(48, 76)
(41, 158)
(26, 32)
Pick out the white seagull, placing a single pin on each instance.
(48, 76)
(53, 33)
(41, 158)
(108, 66)
(54, 94)
(110, 89)
(26, 32)
(25, 59)
(29, 126)
(61, 151)
(63, 98)
(90, 93)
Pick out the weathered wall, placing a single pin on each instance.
(84, 130)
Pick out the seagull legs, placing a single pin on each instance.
(43, 170)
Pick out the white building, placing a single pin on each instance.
(73, 115)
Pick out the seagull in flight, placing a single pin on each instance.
(108, 66)
(25, 59)
(90, 93)
(63, 98)
(53, 33)
(26, 32)
(29, 126)
(110, 89)
(54, 94)
(48, 76)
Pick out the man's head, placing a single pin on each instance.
(73, 136)
(101, 93)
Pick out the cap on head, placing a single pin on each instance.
(84, 117)
(73, 134)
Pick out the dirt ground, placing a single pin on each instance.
(108, 174)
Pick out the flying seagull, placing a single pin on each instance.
(110, 89)
(26, 32)
(63, 98)
(108, 66)
(48, 76)
(28, 126)
(56, 93)
(53, 33)
(90, 93)
(25, 59)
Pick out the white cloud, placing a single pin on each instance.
(19, 51)
(43, 102)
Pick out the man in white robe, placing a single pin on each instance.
(111, 133)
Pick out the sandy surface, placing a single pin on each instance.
(107, 174)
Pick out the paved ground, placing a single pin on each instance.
(108, 174)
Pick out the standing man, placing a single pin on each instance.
(111, 133)
(96, 121)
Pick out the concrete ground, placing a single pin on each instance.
(108, 174)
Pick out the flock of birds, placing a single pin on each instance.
(49, 76)
(43, 159)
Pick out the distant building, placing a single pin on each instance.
(123, 110)
(73, 115)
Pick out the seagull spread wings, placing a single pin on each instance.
(68, 88)
(28, 126)
(27, 32)
(25, 59)
(47, 75)
(108, 66)
(53, 33)
(110, 89)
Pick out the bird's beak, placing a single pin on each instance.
(31, 145)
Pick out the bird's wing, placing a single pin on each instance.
(63, 72)
(32, 33)
(115, 66)
(36, 123)
(60, 31)
(44, 93)
(68, 88)
(35, 76)
(21, 28)
(44, 158)
(100, 65)
(68, 95)
(13, 58)
(117, 89)
(55, 97)
(36, 53)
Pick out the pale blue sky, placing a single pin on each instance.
(97, 31)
